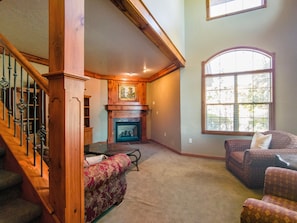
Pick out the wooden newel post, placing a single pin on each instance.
(66, 102)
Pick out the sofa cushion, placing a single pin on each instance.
(292, 205)
(261, 141)
(98, 174)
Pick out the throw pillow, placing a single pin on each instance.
(261, 141)
(91, 160)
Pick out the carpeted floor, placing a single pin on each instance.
(170, 188)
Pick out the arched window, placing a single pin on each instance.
(237, 92)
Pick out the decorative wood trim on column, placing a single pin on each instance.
(66, 103)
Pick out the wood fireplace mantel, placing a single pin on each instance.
(127, 107)
(118, 111)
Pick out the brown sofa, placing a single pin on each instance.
(249, 165)
(279, 203)
(105, 185)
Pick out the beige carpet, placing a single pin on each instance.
(170, 188)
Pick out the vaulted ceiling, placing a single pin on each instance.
(122, 40)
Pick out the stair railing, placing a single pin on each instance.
(23, 91)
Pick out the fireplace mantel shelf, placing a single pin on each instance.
(127, 107)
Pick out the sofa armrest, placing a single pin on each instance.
(232, 145)
(258, 211)
(264, 157)
(281, 182)
(95, 175)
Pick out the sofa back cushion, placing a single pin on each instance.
(282, 140)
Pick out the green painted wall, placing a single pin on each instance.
(97, 89)
(164, 101)
(272, 29)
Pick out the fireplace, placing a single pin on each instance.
(124, 119)
(127, 131)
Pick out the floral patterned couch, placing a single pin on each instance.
(105, 185)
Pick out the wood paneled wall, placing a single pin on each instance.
(114, 88)
(126, 108)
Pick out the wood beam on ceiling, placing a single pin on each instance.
(162, 72)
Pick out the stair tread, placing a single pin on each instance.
(19, 211)
(9, 179)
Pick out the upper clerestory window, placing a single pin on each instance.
(220, 8)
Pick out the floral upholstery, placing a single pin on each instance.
(105, 185)
(279, 203)
(249, 165)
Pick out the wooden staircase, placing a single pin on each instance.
(13, 208)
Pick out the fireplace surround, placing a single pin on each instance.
(128, 118)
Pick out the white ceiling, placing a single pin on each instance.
(113, 45)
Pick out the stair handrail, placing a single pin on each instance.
(21, 105)
(37, 77)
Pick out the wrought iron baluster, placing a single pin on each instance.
(28, 116)
(14, 105)
(15, 118)
(3, 84)
(22, 106)
(42, 130)
(9, 107)
(35, 121)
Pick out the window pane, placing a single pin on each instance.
(238, 61)
(224, 7)
(219, 117)
(262, 88)
(253, 117)
(254, 88)
(220, 89)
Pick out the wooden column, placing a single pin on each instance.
(66, 102)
